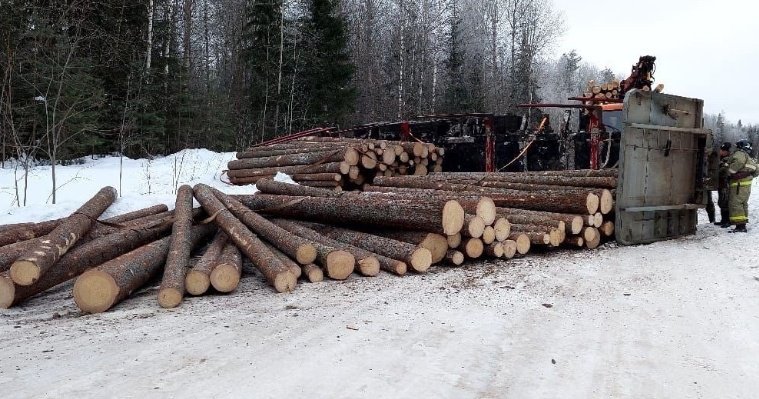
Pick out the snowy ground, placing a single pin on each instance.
(676, 319)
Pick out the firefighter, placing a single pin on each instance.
(723, 187)
(741, 169)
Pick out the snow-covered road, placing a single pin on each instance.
(677, 319)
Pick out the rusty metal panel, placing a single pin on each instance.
(661, 158)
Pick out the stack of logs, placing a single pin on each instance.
(609, 90)
(336, 163)
(399, 225)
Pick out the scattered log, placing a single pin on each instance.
(329, 167)
(276, 273)
(348, 155)
(138, 214)
(436, 243)
(172, 287)
(418, 257)
(79, 259)
(198, 279)
(20, 232)
(267, 186)
(313, 273)
(435, 217)
(32, 264)
(100, 288)
(337, 263)
(293, 266)
(225, 276)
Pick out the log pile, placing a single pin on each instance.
(399, 225)
(335, 163)
(604, 91)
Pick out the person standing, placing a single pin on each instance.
(741, 169)
(723, 191)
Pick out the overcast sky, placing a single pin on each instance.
(704, 49)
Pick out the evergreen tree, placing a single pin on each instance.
(328, 69)
(455, 99)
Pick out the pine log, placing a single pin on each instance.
(368, 263)
(198, 279)
(575, 241)
(494, 250)
(502, 228)
(79, 259)
(454, 257)
(267, 186)
(337, 262)
(313, 273)
(472, 247)
(418, 257)
(539, 221)
(32, 264)
(607, 228)
(100, 288)
(432, 216)
(522, 241)
(573, 223)
(302, 177)
(329, 167)
(509, 248)
(475, 204)
(454, 240)
(591, 234)
(292, 265)
(296, 247)
(226, 273)
(328, 185)
(488, 235)
(595, 242)
(519, 177)
(276, 273)
(300, 148)
(598, 220)
(172, 287)
(138, 214)
(474, 226)
(536, 234)
(347, 154)
(436, 243)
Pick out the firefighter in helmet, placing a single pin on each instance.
(741, 169)
(723, 185)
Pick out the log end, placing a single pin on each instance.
(95, 291)
(590, 234)
(305, 254)
(7, 292)
(454, 240)
(488, 235)
(486, 210)
(25, 272)
(606, 204)
(225, 277)
(296, 270)
(474, 248)
(594, 243)
(454, 257)
(438, 246)
(369, 267)
(340, 264)
(453, 217)
(475, 227)
(598, 219)
(169, 297)
(421, 260)
(314, 273)
(399, 268)
(509, 248)
(577, 225)
(196, 283)
(502, 229)
(523, 244)
(285, 282)
(592, 202)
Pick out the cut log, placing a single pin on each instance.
(31, 265)
(607, 182)
(293, 266)
(275, 187)
(590, 234)
(598, 220)
(509, 248)
(574, 223)
(99, 289)
(454, 257)
(472, 247)
(607, 228)
(198, 279)
(348, 155)
(594, 243)
(172, 287)
(138, 214)
(296, 247)
(313, 273)
(545, 222)
(418, 257)
(432, 216)
(522, 241)
(225, 276)
(494, 250)
(338, 263)
(502, 228)
(20, 232)
(276, 273)
(436, 243)
(454, 241)
(575, 241)
(79, 259)
(486, 209)
(474, 226)
(330, 167)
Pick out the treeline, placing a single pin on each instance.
(150, 77)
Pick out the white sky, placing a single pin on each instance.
(704, 49)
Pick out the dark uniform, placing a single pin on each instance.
(712, 165)
(741, 169)
(723, 186)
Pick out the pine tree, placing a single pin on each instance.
(455, 98)
(328, 69)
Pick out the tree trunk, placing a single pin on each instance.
(310, 158)
(419, 258)
(226, 273)
(298, 248)
(172, 288)
(313, 273)
(330, 167)
(292, 265)
(31, 265)
(432, 216)
(336, 261)
(79, 259)
(99, 289)
(267, 186)
(275, 272)
(198, 279)
(436, 243)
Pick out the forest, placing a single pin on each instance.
(150, 77)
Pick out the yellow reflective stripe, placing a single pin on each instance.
(742, 182)
(739, 219)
